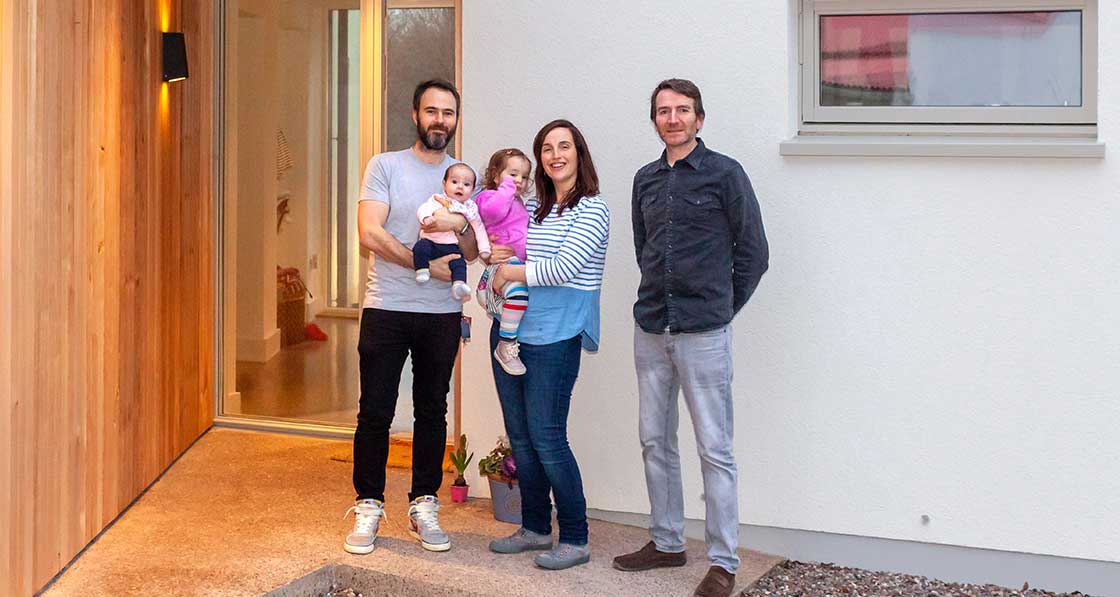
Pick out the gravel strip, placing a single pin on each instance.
(798, 579)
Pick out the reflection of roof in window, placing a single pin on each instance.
(865, 51)
(872, 51)
(987, 23)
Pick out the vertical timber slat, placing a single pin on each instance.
(106, 258)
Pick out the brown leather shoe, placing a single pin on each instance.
(717, 583)
(648, 558)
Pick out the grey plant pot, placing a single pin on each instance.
(505, 498)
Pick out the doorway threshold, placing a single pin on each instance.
(323, 430)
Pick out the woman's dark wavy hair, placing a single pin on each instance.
(587, 181)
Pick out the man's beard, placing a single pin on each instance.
(431, 138)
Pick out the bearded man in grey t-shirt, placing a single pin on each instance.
(401, 316)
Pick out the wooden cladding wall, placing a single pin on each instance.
(106, 267)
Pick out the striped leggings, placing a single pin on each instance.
(516, 295)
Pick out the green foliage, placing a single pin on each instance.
(461, 460)
(491, 465)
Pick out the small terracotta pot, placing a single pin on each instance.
(459, 493)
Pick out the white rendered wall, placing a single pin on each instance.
(935, 336)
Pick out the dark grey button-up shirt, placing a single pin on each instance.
(699, 240)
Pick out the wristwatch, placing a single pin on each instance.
(465, 228)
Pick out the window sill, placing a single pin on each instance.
(942, 146)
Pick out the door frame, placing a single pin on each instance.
(372, 134)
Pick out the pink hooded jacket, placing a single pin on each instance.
(505, 216)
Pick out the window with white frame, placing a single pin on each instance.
(948, 62)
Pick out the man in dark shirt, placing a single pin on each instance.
(701, 249)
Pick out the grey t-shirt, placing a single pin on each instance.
(403, 181)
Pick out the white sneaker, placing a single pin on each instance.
(506, 355)
(367, 518)
(423, 275)
(461, 292)
(423, 516)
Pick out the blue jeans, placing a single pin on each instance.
(700, 364)
(535, 410)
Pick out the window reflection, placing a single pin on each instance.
(952, 59)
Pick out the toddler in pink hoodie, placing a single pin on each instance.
(506, 219)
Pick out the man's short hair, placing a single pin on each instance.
(438, 84)
(682, 86)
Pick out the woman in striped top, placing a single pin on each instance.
(566, 249)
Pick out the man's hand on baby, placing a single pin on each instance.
(444, 221)
(440, 269)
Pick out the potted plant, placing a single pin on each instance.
(505, 496)
(460, 460)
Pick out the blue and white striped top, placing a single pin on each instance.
(566, 253)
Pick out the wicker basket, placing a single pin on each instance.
(291, 295)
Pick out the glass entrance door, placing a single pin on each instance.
(311, 90)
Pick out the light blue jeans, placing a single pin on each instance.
(700, 364)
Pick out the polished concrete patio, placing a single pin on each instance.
(245, 513)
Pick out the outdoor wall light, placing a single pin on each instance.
(174, 57)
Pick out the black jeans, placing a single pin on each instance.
(385, 339)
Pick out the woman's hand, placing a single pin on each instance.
(498, 281)
(444, 221)
(508, 272)
(499, 253)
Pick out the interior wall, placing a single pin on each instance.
(303, 49)
(106, 257)
(279, 59)
(258, 105)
